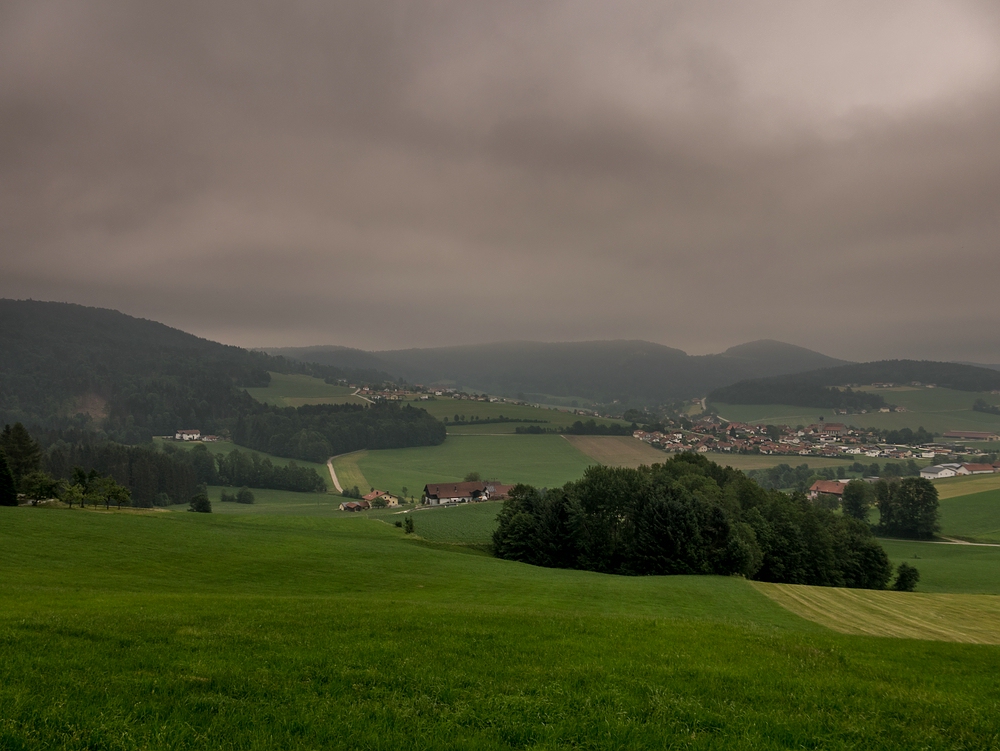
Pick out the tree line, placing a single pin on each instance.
(688, 516)
(794, 391)
(317, 432)
(590, 427)
(153, 477)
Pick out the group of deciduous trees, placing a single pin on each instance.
(906, 508)
(688, 516)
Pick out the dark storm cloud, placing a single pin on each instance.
(405, 174)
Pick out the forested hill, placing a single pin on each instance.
(66, 366)
(815, 388)
(604, 371)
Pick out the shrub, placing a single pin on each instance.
(200, 504)
(243, 495)
(907, 577)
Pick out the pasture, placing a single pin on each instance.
(973, 517)
(937, 410)
(945, 567)
(540, 460)
(296, 390)
(121, 630)
(465, 524)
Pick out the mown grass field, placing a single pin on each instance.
(540, 460)
(442, 407)
(937, 410)
(973, 619)
(956, 486)
(294, 390)
(224, 447)
(465, 524)
(190, 631)
(273, 502)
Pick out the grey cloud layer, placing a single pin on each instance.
(405, 174)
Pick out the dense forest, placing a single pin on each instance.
(813, 388)
(590, 427)
(154, 476)
(64, 365)
(688, 516)
(320, 431)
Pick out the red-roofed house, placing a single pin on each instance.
(979, 469)
(827, 487)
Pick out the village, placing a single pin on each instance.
(824, 439)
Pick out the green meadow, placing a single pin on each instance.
(541, 460)
(937, 410)
(187, 631)
(295, 390)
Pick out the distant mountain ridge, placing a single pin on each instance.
(815, 388)
(632, 371)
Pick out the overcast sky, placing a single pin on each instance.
(395, 174)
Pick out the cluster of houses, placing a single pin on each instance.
(195, 435)
(941, 471)
(830, 439)
(437, 494)
(369, 500)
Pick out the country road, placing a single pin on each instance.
(333, 474)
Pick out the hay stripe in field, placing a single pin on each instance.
(971, 619)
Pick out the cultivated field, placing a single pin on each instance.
(191, 631)
(956, 486)
(273, 502)
(972, 517)
(937, 410)
(292, 390)
(465, 524)
(617, 451)
(973, 619)
(541, 460)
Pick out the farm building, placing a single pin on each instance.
(827, 487)
(938, 472)
(355, 506)
(187, 435)
(390, 500)
(979, 469)
(440, 494)
(972, 435)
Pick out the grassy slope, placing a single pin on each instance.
(193, 631)
(293, 390)
(467, 524)
(545, 461)
(972, 517)
(937, 410)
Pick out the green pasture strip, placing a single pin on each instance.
(464, 524)
(960, 569)
(442, 407)
(937, 410)
(350, 475)
(972, 517)
(224, 447)
(540, 460)
(972, 619)
(190, 631)
(282, 502)
(295, 390)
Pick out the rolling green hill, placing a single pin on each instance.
(153, 630)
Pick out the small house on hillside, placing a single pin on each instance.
(187, 435)
(389, 498)
(833, 488)
(355, 506)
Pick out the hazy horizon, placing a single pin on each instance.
(387, 175)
